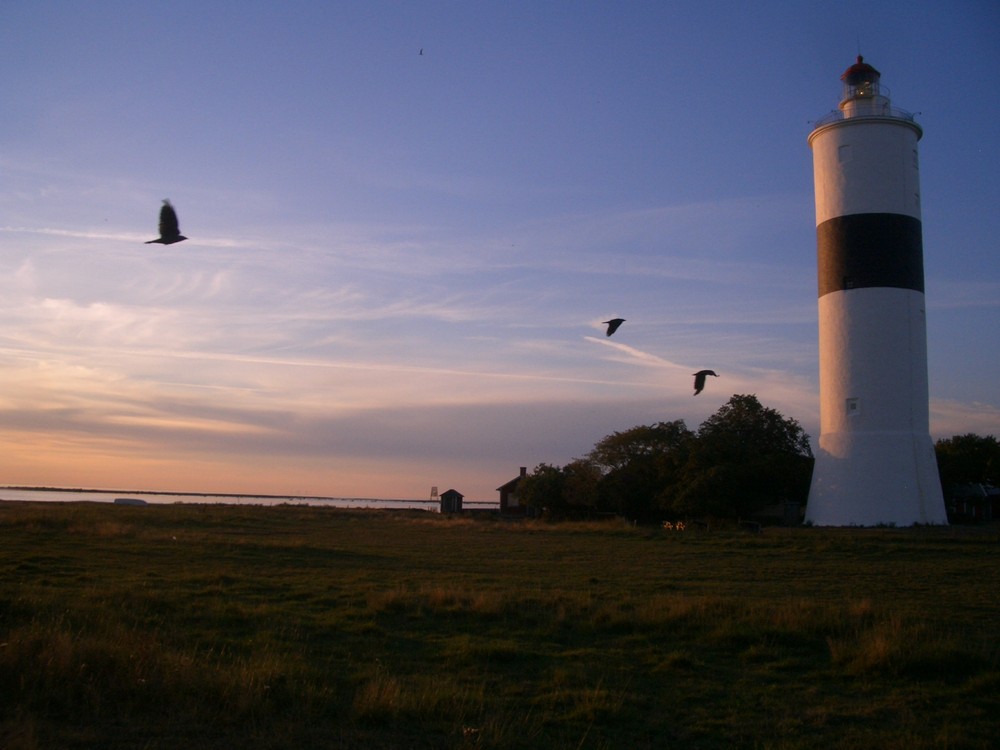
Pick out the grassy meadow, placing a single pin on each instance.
(201, 626)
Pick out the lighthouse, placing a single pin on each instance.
(875, 464)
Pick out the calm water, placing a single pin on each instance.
(160, 498)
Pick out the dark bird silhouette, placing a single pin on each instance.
(169, 230)
(613, 324)
(699, 380)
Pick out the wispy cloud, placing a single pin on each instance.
(130, 237)
(633, 355)
(401, 283)
(950, 417)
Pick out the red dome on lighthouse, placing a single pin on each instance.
(861, 81)
(859, 73)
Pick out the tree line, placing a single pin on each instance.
(968, 459)
(741, 461)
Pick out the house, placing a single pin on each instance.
(451, 501)
(509, 505)
(972, 502)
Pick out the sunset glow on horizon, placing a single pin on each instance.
(398, 263)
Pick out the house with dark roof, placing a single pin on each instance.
(509, 505)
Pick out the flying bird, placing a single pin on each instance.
(699, 380)
(613, 324)
(169, 230)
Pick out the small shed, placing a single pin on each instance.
(451, 501)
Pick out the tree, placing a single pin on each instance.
(968, 459)
(745, 457)
(580, 482)
(637, 464)
(566, 491)
(744, 427)
(621, 448)
(542, 488)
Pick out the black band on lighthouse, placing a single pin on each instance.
(868, 250)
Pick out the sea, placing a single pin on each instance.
(128, 497)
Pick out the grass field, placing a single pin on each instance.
(272, 627)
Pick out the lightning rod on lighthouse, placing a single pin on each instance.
(876, 463)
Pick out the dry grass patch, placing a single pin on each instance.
(256, 627)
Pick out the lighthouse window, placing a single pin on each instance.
(844, 153)
(853, 407)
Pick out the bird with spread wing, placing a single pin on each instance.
(699, 379)
(170, 231)
(613, 324)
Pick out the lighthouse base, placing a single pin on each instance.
(875, 479)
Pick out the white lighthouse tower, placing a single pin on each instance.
(875, 464)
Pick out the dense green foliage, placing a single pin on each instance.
(746, 457)
(968, 459)
(293, 627)
(742, 459)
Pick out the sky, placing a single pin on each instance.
(407, 221)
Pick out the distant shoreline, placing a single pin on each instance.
(265, 496)
(191, 494)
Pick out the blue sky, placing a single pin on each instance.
(398, 262)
